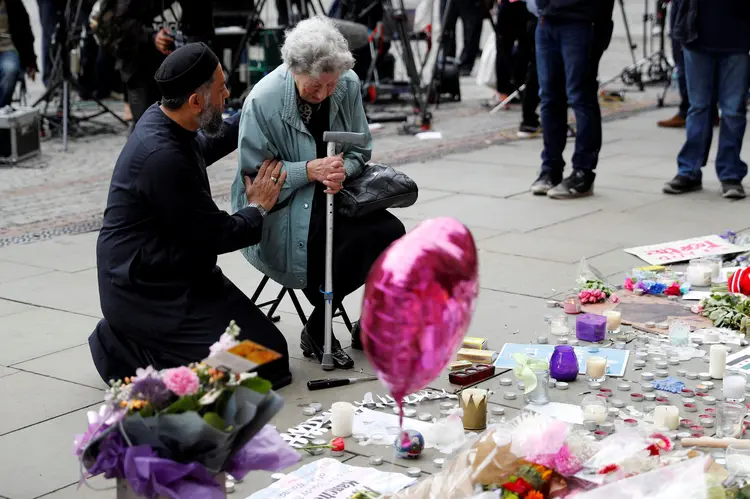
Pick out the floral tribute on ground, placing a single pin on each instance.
(171, 432)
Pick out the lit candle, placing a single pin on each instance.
(596, 367)
(613, 320)
(717, 361)
(595, 412)
(667, 416)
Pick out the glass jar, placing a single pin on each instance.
(539, 394)
(563, 365)
(572, 304)
(699, 272)
(594, 408)
(559, 326)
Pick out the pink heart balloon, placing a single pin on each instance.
(419, 299)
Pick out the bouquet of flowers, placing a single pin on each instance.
(592, 286)
(170, 432)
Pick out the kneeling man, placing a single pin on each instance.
(164, 300)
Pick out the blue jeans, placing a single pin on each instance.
(567, 59)
(727, 75)
(48, 18)
(10, 72)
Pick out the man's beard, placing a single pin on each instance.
(210, 121)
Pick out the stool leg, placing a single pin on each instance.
(345, 317)
(297, 306)
(259, 289)
(274, 305)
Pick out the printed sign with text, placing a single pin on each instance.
(687, 249)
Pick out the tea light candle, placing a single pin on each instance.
(614, 319)
(705, 376)
(596, 367)
(646, 376)
(691, 375)
(639, 363)
(606, 392)
(686, 423)
(667, 416)
(618, 403)
(681, 373)
(647, 387)
(636, 397)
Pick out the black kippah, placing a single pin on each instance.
(186, 69)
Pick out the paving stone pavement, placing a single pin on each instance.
(529, 251)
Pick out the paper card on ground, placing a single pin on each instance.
(686, 249)
(617, 360)
(244, 357)
(696, 295)
(369, 422)
(740, 361)
(327, 478)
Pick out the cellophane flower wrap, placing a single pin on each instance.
(169, 432)
(528, 458)
(592, 286)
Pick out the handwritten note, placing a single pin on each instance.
(687, 249)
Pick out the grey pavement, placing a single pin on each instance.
(529, 250)
(478, 173)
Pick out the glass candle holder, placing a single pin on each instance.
(594, 408)
(729, 419)
(572, 304)
(699, 272)
(679, 334)
(614, 319)
(596, 368)
(539, 395)
(559, 326)
(734, 384)
(563, 364)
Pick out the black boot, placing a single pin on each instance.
(311, 349)
(356, 336)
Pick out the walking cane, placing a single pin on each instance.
(333, 138)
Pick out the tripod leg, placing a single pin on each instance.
(66, 95)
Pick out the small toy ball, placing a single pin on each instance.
(739, 282)
(409, 444)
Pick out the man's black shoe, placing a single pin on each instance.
(681, 184)
(579, 184)
(356, 336)
(732, 190)
(311, 349)
(544, 183)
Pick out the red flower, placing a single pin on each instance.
(519, 487)
(608, 469)
(673, 290)
(653, 450)
(337, 444)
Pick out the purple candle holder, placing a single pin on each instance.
(591, 327)
(563, 365)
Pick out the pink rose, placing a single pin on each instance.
(614, 299)
(181, 381)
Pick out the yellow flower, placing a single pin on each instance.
(546, 475)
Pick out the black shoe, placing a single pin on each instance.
(732, 190)
(527, 131)
(356, 336)
(579, 184)
(544, 183)
(681, 184)
(311, 349)
(465, 71)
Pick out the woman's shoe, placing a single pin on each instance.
(311, 349)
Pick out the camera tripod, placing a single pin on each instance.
(306, 9)
(656, 66)
(66, 37)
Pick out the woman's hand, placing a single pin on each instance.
(329, 171)
(267, 185)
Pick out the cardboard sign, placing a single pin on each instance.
(687, 249)
(244, 357)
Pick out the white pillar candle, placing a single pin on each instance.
(734, 385)
(614, 318)
(667, 416)
(717, 361)
(596, 367)
(595, 412)
(342, 419)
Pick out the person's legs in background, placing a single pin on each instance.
(554, 107)
(732, 93)
(48, 17)
(509, 29)
(471, 19)
(10, 72)
(142, 92)
(448, 20)
(530, 125)
(700, 71)
(581, 48)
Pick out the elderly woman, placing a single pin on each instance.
(284, 117)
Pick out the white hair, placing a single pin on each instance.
(316, 46)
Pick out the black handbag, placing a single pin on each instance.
(378, 187)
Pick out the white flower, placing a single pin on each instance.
(148, 372)
(226, 341)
